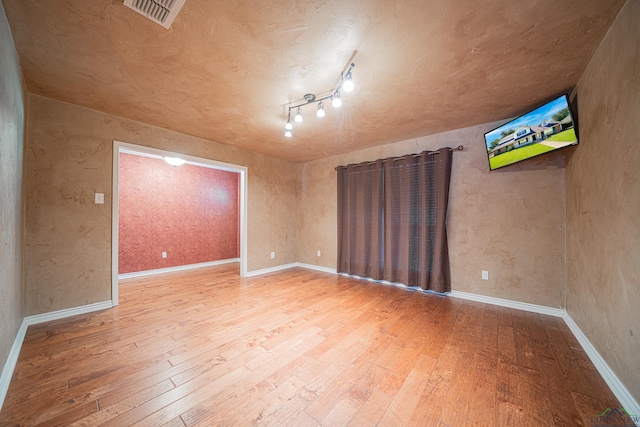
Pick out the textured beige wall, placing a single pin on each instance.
(509, 222)
(603, 202)
(12, 126)
(68, 237)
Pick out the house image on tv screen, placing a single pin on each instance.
(547, 128)
(525, 135)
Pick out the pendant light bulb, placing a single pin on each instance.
(347, 85)
(298, 117)
(335, 100)
(288, 125)
(320, 112)
(287, 133)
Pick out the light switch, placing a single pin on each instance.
(99, 198)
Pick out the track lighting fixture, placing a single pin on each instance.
(346, 83)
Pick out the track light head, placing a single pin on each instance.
(335, 100)
(298, 117)
(320, 112)
(347, 85)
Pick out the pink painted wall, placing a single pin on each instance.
(190, 212)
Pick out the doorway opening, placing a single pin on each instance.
(138, 150)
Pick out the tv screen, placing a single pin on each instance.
(543, 130)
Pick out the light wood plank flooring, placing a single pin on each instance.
(300, 348)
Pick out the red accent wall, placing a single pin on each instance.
(190, 212)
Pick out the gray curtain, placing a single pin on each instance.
(392, 220)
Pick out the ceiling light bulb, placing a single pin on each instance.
(335, 100)
(174, 161)
(288, 126)
(287, 133)
(347, 85)
(298, 117)
(320, 112)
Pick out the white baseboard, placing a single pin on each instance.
(316, 267)
(271, 269)
(617, 387)
(541, 309)
(291, 265)
(10, 364)
(67, 312)
(176, 268)
(12, 359)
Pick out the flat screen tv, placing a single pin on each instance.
(546, 129)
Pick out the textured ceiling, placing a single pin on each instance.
(226, 70)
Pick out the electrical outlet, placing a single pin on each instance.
(99, 198)
(485, 275)
(164, 254)
(319, 253)
(273, 255)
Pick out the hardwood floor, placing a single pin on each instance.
(300, 348)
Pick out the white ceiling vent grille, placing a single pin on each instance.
(162, 12)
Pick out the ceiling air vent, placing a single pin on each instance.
(162, 12)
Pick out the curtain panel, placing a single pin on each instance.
(360, 223)
(392, 219)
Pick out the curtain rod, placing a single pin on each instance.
(430, 153)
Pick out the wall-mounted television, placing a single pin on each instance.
(548, 128)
